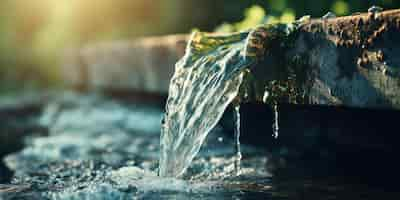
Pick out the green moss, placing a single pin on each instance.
(256, 15)
(286, 84)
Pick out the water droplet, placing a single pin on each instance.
(246, 94)
(265, 96)
(220, 139)
(329, 15)
(375, 9)
(275, 124)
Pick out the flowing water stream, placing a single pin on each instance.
(206, 80)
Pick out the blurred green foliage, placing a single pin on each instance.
(340, 7)
(254, 16)
(34, 33)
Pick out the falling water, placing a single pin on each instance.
(238, 156)
(206, 80)
(275, 124)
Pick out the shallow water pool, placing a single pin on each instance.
(100, 148)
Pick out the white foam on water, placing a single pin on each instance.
(146, 181)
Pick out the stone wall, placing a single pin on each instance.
(144, 64)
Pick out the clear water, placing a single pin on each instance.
(275, 125)
(206, 81)
(93, 155)
(237, 139)
(102, 149)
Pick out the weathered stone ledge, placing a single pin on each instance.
(351, 61)
(144, 64)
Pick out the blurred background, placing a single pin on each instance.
(35, 33)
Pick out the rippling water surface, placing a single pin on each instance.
(99, 148)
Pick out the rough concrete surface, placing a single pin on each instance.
(351, 61)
